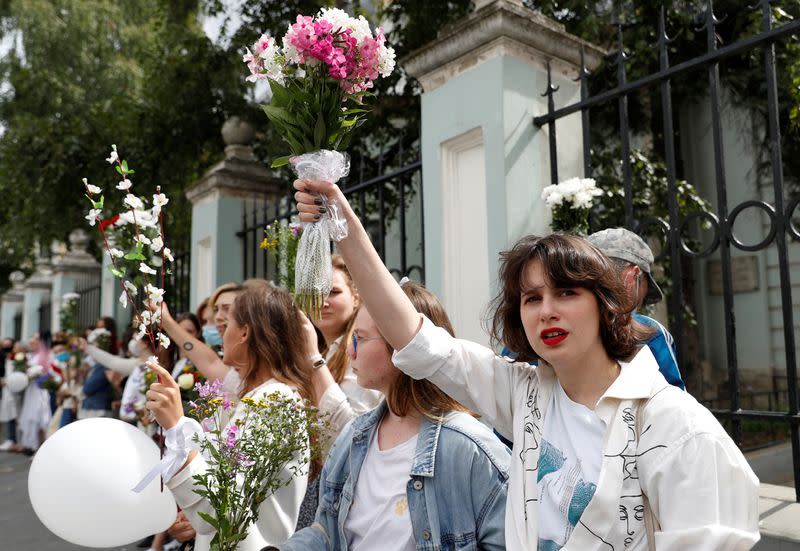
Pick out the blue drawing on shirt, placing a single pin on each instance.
(551, 461)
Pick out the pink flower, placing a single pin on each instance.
(261, 44)
(232, 433)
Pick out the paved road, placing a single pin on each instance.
(20, 529)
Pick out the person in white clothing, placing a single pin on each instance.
(267, 344)
(603, 447)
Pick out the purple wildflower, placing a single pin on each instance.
(208, 389)
(296, 229)
(226, 404)
(232, 432)
(207, 424)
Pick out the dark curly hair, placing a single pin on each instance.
(569, 262)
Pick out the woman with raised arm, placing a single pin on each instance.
(337, 394)
(606, 454)
(264, 358)
(417, 472)
(204, 357)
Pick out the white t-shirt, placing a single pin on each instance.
(378, 517)
(569, 467)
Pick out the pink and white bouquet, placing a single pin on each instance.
(320, 76)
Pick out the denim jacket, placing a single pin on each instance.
(456, 488)
(97, 390)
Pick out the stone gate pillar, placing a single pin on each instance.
(218, 203)
(484, 163)
(38, 288)
(12, 305)
(73, 271)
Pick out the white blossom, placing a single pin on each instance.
(123, 299)
(124, 185)
(145, 269)
(116, 253)
(142, 238)
(131, 288)
(164, 340)
(93, 215)
(157, 244)
(168, 254)
(133, 202)
(114, 155)
(155, 294)
(160, 200)
(144, 218)
(67, 297)
(92, 190)
(579, 193)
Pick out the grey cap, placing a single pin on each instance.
(626, 245)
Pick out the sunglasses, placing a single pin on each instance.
(357, 339)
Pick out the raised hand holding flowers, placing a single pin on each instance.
(319, 80)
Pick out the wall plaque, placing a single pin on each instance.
(744, 274)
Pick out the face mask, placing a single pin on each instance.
(62, 356)
(211, 335)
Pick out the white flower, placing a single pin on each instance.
(142, 238)
(155, 294)
(116, 253)
(164, 340)
(93, 215)
(124, 185)
(168, 254)
(131, 288)
(35, 370)
(67, 297)
(340, 19)
(92, 190)
(157, 244)
(97, 333)
(19, 357)
(159, 200)
(186, 381)
(114, 155)
(386, 60)
(145, 318)
(133, 202)
(144, 218)
(142, 330)
(145, 269)
(123, 299)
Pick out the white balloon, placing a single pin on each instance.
(80, 485)
(16, 381)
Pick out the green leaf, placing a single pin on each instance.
(99, 204)
(117, 272)
(278, 114)
(209, 519)
(280, 161)
(119, 170)
(280, 95)
(319, 132)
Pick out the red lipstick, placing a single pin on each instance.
(553, 335)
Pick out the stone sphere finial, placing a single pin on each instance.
(17, 278)
(236, 131)
(78, 240)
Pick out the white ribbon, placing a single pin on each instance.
(178, 441)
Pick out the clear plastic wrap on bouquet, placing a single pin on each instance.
(313, 274)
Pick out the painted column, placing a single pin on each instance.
(12, 304)
(37, 289)
(218, 202)
(484, 163)
(73, 270)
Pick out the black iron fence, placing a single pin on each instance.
(17, 326)
(88, 303)
(389, 205)
(737, 408)
(45, 315)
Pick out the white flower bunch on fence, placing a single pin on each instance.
(570, 202)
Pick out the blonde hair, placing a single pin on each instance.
(406, 394)
(340, 361)
(224, 288)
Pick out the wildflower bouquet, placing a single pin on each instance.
(101, 338)
(49, 380)
(259, 451)
(319, 77)
(570, 202)
(20, 362)
(281, 243)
